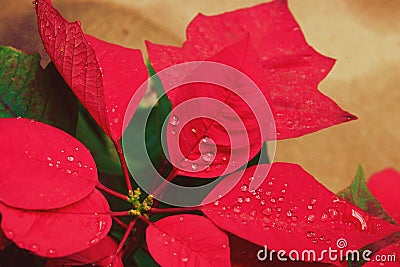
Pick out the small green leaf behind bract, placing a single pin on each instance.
(359, 194)
(27, 90)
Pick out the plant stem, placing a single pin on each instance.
(111, 192)
(144, 219)
(173, 210)
(119, 222)
(170, 177)
(119, 213)
(125, 170)
(125, 237)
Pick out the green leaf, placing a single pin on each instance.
(359, 194)
(27, 90)
(100, 145)
(144, 260)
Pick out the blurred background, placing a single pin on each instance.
(363, 35)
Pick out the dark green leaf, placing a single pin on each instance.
(359, 194)
(26, 90)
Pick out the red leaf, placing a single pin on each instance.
(292, 68)
(291, 205)
(100, 254)
(42, 167)
(384, 185)
(233, 128)
(58, 232)
(103, 76)
(187, 240)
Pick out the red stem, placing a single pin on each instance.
(119, 213)
(125, 237)
(170, 177)
(173, 210)
(125, 170)
(119, 222)
(144, 219)
(111, 192)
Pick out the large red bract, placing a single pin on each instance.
(103, 76)
(42, 167)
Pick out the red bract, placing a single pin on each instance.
(100, 254)
(58, 232)
(220, 124)
(384, 185)
(292, 68)
(42, 167)
(291, 205)
(103, 76)
(187, 240)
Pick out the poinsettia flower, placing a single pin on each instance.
(48, 201)
(103, 76)
(292, 68)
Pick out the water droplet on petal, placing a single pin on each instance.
(216, 203)
(262, 202)
(185, 259)
(324, 217)
(174, 120)
(267, 211)
(34, 248)
(247, 199)
(184, 162)
(313, 201)
(51, 252)
(181, 219)
(48, 158)
(68, 171)
(311, 218)
(205, 139)
(268, 193)
(271, 183)
(240, 200)
(10, 234)
(236, 209)
(243, 188)
(224, 158)
(116, 120)
(195, 166)
(310, 234)
(70, 158)
(310, 207)
(208, 157)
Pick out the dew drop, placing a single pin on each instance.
(262, 202)
(208, 157)
(283, 191)
(271, 183)
(324, 217)
(205, 139)
(216, 203)
(267, 211)
(236, 209)
(273, 200)
(51, 164)
(224, 158)
(224, 246)
(194, 131)
(310, 207)
(68, 171)
(311, 218)
(10, 234)
(295, 219)
(243, 188)
(174, 120)
(34, 248)
(48, 158)
(310, 234)
(281, 199)
(268, 193)
(234, 163)
(181, 219)
(289, 213)
(184, 162)
(313, 201)
(70, 158)
(195, 166)
(247, 199)
(76, 148)
(116, 120)
(51, 251)
(79, 164)
(333, 213)
(240, 200)
(185, 259)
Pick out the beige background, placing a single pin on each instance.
(363, 35)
